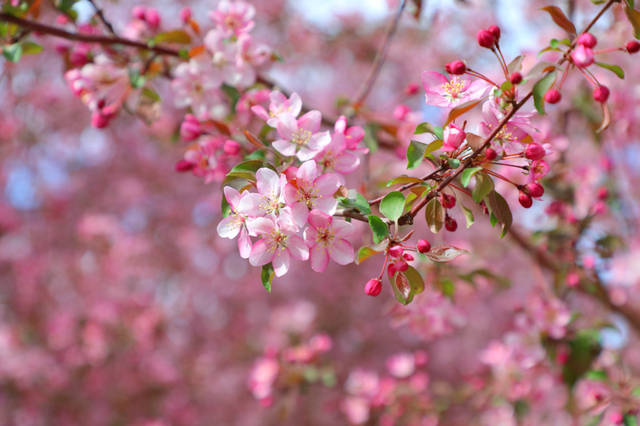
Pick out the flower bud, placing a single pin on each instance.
(573, 279)
(450, 224)
(601, 94)
(391, 270)
(395, 251)
(535, 189)
(99, 120)
(632, 47)
(534, 152)
(515, 78)
(184, 166)
(423, 246)
(486, 39)
(582, 56)
(448, 201)
(185, 14)
(552, 96)
(495, 30)
(525, 200)
(190, 128)
(453, 136)
(373, 287)
(490, 154)
(400, 265)
(138, 12)
(603, 193)
(408, 257)
(411, 89)
(456, 67)
(231, 147)
(587, 40)
(400, 112)
(152, 17)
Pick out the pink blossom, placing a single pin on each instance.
(278, 244)
(235, 223)
(326, 239)
(517, 130)
(301, 137)
(453, 138)
(310, 190)
(336, 156)
(195, 85)
(279, 106)
(228, 60)
(269, 200)
(208, 159)
(446, 93)
(582, 56)
(233, 17)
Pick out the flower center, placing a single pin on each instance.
(325, 237)
(301, 137)
(278, 241)
(454, 87)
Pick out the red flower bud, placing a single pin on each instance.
(495, 30)
(184, 166)
(515, 78)
(99, 120)
(408, 257)
(534, 152)
(601, 94)
(525, 200)
(456, 67)
(401, 265)
(633, 46)
(231, 147)
(373, 287)
(412, 89)
(395, 251)
(185, 14)
(535, 189)
(603, 193)
(486, 39)
(138, 12)
(450, 224)
(552, 96)
(588, 40)
(448, 201)
(152, 17)
(490, 154)
(423, 246)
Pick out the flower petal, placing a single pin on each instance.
(260, 226)
(297, 247)
(284, 147)
(281, 263)
(260, 253)
(244, 244)
(232, 195)
(308, 171)
(229, 227)
(310, 121)
(268, 182)
(319, 258)
(319, 219)
(327, 184)
(341, 252)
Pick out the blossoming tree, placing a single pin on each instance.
(198, 150)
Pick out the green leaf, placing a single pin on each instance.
(355, 201)
(613, 68)
(631, 3)
(245, 170)
(232, 93)
(630, 420)
(379, 229)
(598, 375)
(634, 18)
(175, 36)
(392, 205)
(136, 80)
(540, 89)
(484, 185)
(447, 287)
(370, 140)
(454, 163)
(31, 48)
(459, 110)
(429, 128)
(468, 216)
(415, 280)
(402, 180)
(560, 19)
(499, 207)
(435, 145)
(267, 276)
(402, 288)
(434, 214)
(364, 253)
(465, 176)
(12, 52)
(415, 154)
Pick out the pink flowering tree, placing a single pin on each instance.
(442, 206)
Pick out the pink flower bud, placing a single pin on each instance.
(423, 246)
(231, 147)
(603, 193)
(411, 89)
(400, 112)
(152, 17)
(391, 270)
(453, 136)
(573, 279)
(190, 128)
(450, 224)
(290, 172)
(456, 67)
(184, 166)
(587, 40)
(100, 120)
(395, 251)
(62, 19)
(515, 78)
(138, 12)
(535, 189)
(185, 14)
(600, 207)
(400, 265)
(534, 152)
(408, 257)
(525, 200)
(582, 56)
(373, 287)
(486, 39)
(448, 201)
(490, 154)
(633, 46)
(601, 94)
(495, 30)
(552, 96)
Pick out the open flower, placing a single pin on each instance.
(301, 137)
(233, 17)
(445, 93)
(278, 244)
(269, 199)
(235, 223)
(278, 107)
(309, 191)
(326, 239)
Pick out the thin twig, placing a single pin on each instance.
(102, 18)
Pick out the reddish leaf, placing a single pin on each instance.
(560, 19)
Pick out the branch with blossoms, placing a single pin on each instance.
(284, 175)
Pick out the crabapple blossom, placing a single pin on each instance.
(445, 93)
(311, 190)
(302, 137)
(277, 244)
(453, 138)
(235, 223)
(233, 17)
(327, 238)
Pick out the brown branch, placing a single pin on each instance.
(102, 18)
(367, 85)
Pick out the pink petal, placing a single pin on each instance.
(319, 141)
(319, 219)
(295, 104)
(287, 126)
(229, 227)
(319, 258)
(261, 226)
(432, 81)
(260, 112)
(252, 204)
(297, 247)
(284, 147)
(327, 184)
(346, 162)
(326, 204)
(310, 121)
(308, 171)
(341, 252)
(281, 263)
(232, 195)
(268, 182)
(244, 244)
(260, 253)
(310, 235)
(342, 228)
(290, 194)
(299, 212)
(305, 153)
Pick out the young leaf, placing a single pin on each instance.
(392, 205)
(560, 19)
(429, 128)
(434, 214)
(31, 48)
(13, 52)
(461, 109)
(634, 18)
(415, 154)
(465, 176)
(445, 253)
(499, 207)
(402, 180)
(267, 276)
(613, 68)
(379, 229)
(484, 185)
(176, 36)
(540, 89)
(364, 253)
(468, 216)
(415, 280)
(402, 288)
(355, 201)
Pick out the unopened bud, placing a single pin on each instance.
(423, 246)
(534, 152)
(486, 39)
(552, 96)
(525, 200)
(601, 94)
(373, 287)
